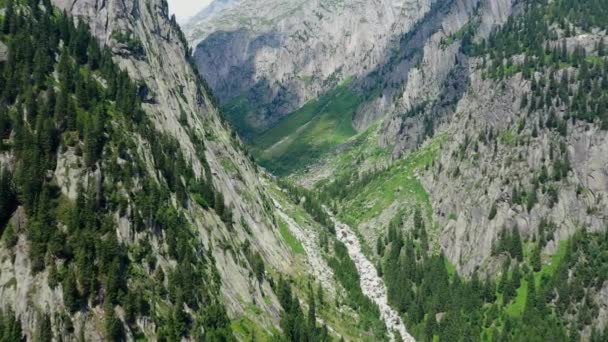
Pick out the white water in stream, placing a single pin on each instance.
(371, 284)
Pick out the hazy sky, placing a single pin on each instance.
(185, 9)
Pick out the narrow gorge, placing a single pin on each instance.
(304, 170)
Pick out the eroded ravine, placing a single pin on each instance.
(371, 283)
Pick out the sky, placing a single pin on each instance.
(184, 9)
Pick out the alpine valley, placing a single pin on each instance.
(290, 170)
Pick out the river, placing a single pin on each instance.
(371, 283)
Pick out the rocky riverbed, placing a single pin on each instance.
(371, 283)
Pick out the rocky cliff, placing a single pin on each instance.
(213, 9)
(170, 192)
(485, 117)
(394, 56)
(279, 55)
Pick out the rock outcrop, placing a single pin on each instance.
(213, 9)
(3, 52)
(176, 103)
(280, 54)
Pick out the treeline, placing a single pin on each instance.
(298, 326)
(344, 268)
(528, 302)
(10, 327)
(509, 241)
(310, 202)
(539, 34)
(67, 96)
(543, 21)
(345, 184)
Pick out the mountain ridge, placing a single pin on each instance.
(465, 144)
(148, 220)
(466, 161)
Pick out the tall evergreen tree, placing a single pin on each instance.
(10, 327)
(9, 17)
(44, 330)
(516, 248)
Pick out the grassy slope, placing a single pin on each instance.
(342, 320)
(398, 183)
(516, 308)
(289, 239)
(363, 154)
(237, 111)
(247, 330)
(306, 134)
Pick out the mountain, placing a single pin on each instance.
(211, 10)
(430, 171)
(468, 158)
(128, 208)
(331, 69)
(279, 55)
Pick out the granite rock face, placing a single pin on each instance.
(172, 83)
(464, 188)
(411, 57)
(3, 52)
(397, 55)
(178, 105)
(280, 54)
(213, 9)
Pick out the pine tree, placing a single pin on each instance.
(380, 246)
(430, 327)
(43, 332)
(536, 259)
(516, 248)
(93, 137)
(9, 17)
(219, 206)
(113, 326)
(312, 310)
(532, 199)
(8, 199)
(320, 296)
(10, 327)
(71, 296)
(516, 276)
(493, 212)
(504, 278)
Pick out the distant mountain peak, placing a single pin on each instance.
(211, 10)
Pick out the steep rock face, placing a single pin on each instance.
(398, 57)
(213, 9)
(172, 86)
(472, 186)
(155, 56)
(279, 55)
(447, 93)
(415, 88)
(463, 203)
(3, 52)
(439, 73)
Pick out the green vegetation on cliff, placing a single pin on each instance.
(304, 135)
(67, 106)
(525, 303)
